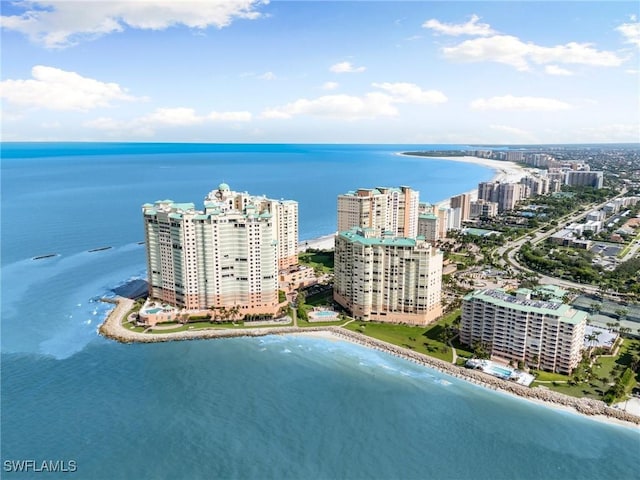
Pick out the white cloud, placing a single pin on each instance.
(509, 102)
(512, 51)
(631, 32)
(411, 93)
(556, 70)
(173, 116)
(230, 116)
(610, 133)
(520, 134)
(346, 67)
(369, 105)
(181, 116)
(330, 85)
(60, 23)
(163, 117)
(267, 76)
(52, 125)
(55, 89)
(472, 27)
(104, 123)
(346, 107)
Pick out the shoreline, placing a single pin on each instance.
(112, 328)
(504, 172)
(325, 242)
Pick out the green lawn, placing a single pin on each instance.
(132, 327)
(420, 339)
(212, 326)
(319, 299)
(305, 323)
(626, 249)
(604, 368)
(550, 376)
(322, 260)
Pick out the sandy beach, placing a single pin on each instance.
(326, 242)
(505, 172)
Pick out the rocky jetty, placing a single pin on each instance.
(112, 328)
(586, 406)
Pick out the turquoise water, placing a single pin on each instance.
(276, 407)
(324, 313)
(502, 372)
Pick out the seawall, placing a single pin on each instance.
(112, 328)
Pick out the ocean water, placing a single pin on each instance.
(274, 407)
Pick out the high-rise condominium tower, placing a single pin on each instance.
(546, 335)
(225, 255)
(388, 279)
(391, 211)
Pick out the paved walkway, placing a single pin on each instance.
(453, 351)
(632, 406)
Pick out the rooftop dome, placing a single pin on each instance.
(223, 187)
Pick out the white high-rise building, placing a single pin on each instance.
(487, 191)
(544, 334)
(483, 209)
(463, 202)
(537, 185)
(284, 213)
(387, 279)
(390, 211)
(428, 227)
(584, 178)
(226, 255)
(509, 194)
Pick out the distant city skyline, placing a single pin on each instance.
(321, 72)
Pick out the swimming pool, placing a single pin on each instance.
(325, 315)
(498, 371)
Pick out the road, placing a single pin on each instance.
(511, 248)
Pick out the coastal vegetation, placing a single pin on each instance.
(598, 377)
(320, 260)
(578, 265)
(434, 340)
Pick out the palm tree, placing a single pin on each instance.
(624, 330)
(595, 308)
(536, 361)
(635, 363)
(621, 313)
(214, 314)
(234, 311)
(592, 339)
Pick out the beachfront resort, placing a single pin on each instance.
(226, 255)
(520, 328)
(237, 260)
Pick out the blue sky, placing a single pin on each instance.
(320, 72)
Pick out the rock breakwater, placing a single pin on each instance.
(113, 328)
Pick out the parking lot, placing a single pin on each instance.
(606, 249)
